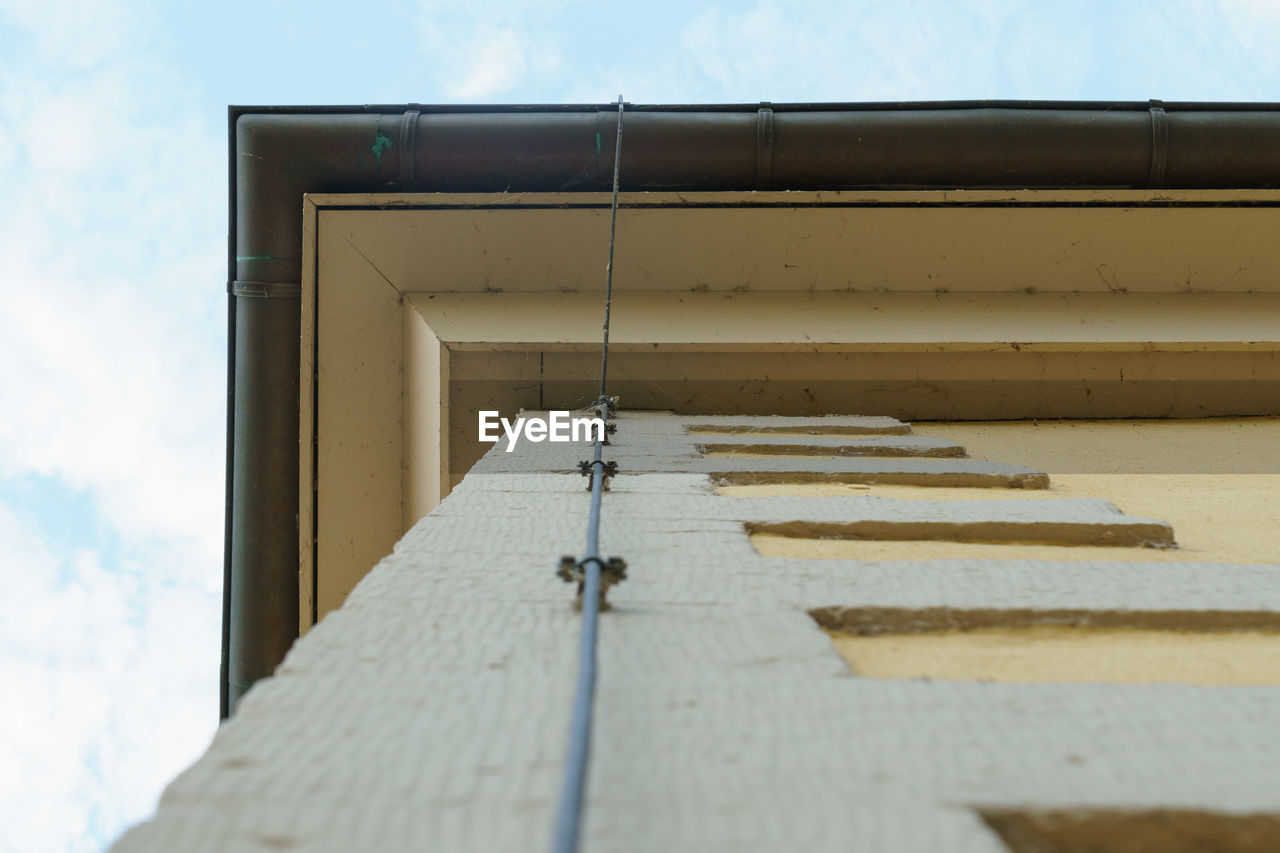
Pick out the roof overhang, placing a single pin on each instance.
(279, 155)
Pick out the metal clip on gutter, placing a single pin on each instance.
(1159, 145)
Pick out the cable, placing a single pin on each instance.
(568, 818)
(608, 270)
(569, 813)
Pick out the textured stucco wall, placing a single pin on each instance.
(430, 712)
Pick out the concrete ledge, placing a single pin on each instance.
(1137, 831)
(563, 459)
(907, 472)
(1069, 521)
(826, 425)
(890, 620)
(873, 445)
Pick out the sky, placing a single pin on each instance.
(112, 277)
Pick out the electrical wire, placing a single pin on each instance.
(608, 270)
(568, 817)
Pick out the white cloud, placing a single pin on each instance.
(480, 51)
(852, 51)
(111, 372)
(109, 344)
(1255, 24)
(74, 34)
(497, 63)
(862, 50)
(104, 704)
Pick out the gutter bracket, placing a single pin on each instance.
(1159, 144)
(409, 150)
(266, 289)
(764, 145)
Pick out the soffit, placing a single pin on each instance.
(977, 241)
(815, 322)
(420, 310)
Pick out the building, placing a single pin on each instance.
(784, 275)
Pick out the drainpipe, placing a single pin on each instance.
(276, 159)
(278, 154)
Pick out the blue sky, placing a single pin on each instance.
(112, 240)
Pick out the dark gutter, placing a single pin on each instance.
(277, 154)
(224, 696)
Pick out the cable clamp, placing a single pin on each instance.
(610, 428)
(612, 571)
(610, 469)
(610, 404)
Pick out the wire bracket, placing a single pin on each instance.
(612, 571)
(610, 469)
(610, 404)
